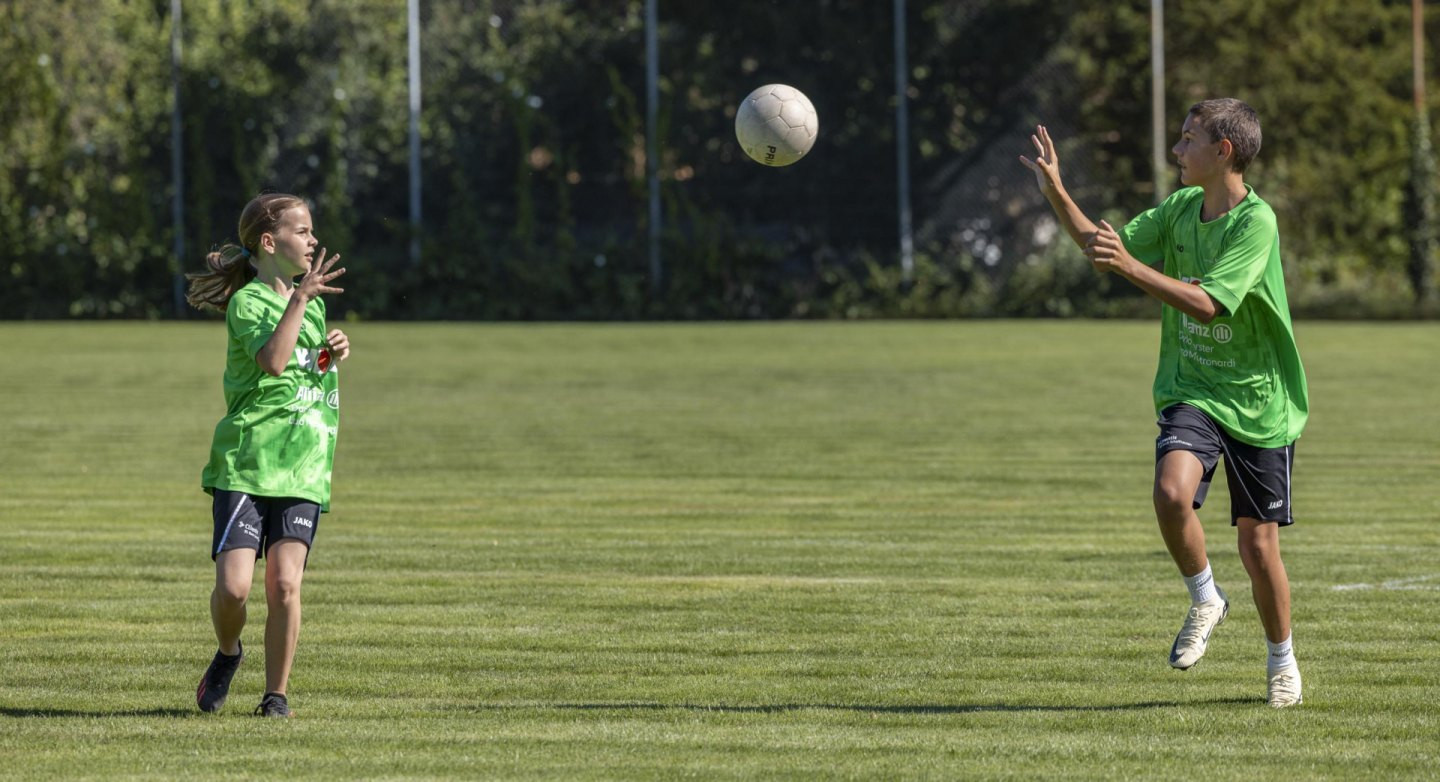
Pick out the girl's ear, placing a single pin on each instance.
(267, 243)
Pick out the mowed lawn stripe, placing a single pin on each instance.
(649, 551)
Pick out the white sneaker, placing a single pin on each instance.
(1195, 633)
(1284, 688)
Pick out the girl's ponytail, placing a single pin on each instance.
(228, 269)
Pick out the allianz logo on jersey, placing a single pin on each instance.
(1220, 332)
(316, 395)
(317, 360)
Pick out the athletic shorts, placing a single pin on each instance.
(1259, 478)
(243, 521)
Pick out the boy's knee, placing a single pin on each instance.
(1171, 500)
(1258, 550)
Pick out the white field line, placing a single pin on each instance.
(1399, 584)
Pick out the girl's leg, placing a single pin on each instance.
(284, 568)
(234, 570)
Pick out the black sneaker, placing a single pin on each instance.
(273, 705)
(215, 684)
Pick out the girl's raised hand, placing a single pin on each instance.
(317, 278)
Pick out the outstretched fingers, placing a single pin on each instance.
(1044, 165)
(1049, 146)
(322, 270)
(326, 274)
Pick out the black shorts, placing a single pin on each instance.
(244, 521)
(1259, 478)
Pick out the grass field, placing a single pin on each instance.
(887, 550)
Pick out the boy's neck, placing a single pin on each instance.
(1222, 195)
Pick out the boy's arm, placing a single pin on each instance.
(1102, 244)
(1107, 253)
(1047, 175)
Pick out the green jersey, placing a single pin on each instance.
(277, 438)
(1242, 369)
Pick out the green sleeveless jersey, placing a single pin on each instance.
(277, 438)
(1242, 369)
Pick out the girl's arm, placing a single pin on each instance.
(275, 355)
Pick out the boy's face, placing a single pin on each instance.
(1201, 159)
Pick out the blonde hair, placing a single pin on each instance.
(228, 267)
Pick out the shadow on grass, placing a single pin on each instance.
(977, 708)
(7, 711)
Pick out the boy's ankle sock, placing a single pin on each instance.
(1282, 656)
(1202, 586)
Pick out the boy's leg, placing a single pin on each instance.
(1177, 478)
(284, 569)
(1260, 505)
(1260, 551)
(1270, 586)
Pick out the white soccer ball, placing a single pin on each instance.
(776, 125)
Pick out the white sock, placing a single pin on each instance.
(1202, 586)
(1281, 656)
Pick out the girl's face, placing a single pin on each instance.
(293, 241)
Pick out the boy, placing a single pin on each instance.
(1229, 380)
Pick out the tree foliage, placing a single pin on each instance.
(534, 151)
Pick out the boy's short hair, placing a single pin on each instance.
(1233, 119)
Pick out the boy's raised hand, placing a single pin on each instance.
(1045, 165)
(1106, 250)
(317, 277)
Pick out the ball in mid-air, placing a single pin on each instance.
(776, 125)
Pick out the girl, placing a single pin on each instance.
(270, 461)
